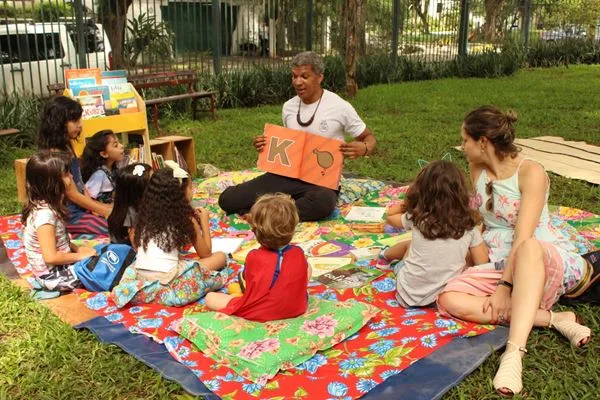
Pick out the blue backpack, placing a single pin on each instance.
(102, 272)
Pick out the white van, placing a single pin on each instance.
(33, 55)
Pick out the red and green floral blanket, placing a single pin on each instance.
(391, 341)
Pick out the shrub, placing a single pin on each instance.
(563, 52)
(51, 11)
(20, 112)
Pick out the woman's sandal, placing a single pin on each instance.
(574, 331)
(509, 374)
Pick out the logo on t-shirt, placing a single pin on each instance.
(323, 127)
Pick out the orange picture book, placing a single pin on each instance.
(82, 73)
(297, 154)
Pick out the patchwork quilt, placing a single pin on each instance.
(392, 340)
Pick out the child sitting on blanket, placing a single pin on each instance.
(130, 184)
(61, 123)
(49, 252)
(99, 161)
(166, 224)
(444, 234)
(275, 276)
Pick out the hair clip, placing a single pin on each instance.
(422, 163)
(178, 172)
(139, 170)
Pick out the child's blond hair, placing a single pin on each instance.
(274, 218)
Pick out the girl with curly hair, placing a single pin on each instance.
(275, 277)
(99, 161)
(130, 184)
(61, 123)
(444, 234)
(166, 224)
(47, 246)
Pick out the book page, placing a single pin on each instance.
(282, 154)
(366, 214)
(322, 161)
(226, 245)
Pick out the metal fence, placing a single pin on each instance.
(40, 39)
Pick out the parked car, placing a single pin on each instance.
(562, 33)
(32, 55)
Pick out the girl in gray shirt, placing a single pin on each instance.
(444, 234)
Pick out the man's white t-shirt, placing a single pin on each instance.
(334, 117)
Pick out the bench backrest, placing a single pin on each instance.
(167, 78)
(150, 80)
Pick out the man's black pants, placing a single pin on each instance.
(313, 202)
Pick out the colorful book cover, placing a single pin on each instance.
(76, 84)
(118, 90)
(117, 73)
(321, 265)
(92, 105)
(83, 73)
(297, 154)
(349, 276)
(127, 105)
(396, 239)
(86, 90)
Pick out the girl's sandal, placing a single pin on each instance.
(574, 331)
(509, 374)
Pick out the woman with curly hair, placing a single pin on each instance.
(99, 161)
(166, 224)
(444, 234)
(60, 123)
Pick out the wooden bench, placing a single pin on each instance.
(172, 78)
(8, 132)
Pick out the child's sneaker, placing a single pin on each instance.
(382, 261)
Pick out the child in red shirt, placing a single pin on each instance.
(276, 275)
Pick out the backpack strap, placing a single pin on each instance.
(280, 252)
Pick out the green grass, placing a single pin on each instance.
(40, 357)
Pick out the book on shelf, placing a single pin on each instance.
(114, 77)
(86, 90)
(83, 73)
(92, 105)
(180, 159)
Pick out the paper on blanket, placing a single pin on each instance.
(311, 158)
(395, 239)
(366, 253)
(226, 245)
(321, 265)
(365, 214)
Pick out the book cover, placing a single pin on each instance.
(297, 154)
(86, 90)
(76, 84)
(83, 73)
(117, 73)
(390, 241)
(92, 105)
(321, 265)
(349, 276)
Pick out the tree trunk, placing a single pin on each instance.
(354, 11)
(423, 13)
(113, 16)
(492, 14)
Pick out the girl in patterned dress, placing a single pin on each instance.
(532, 266)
